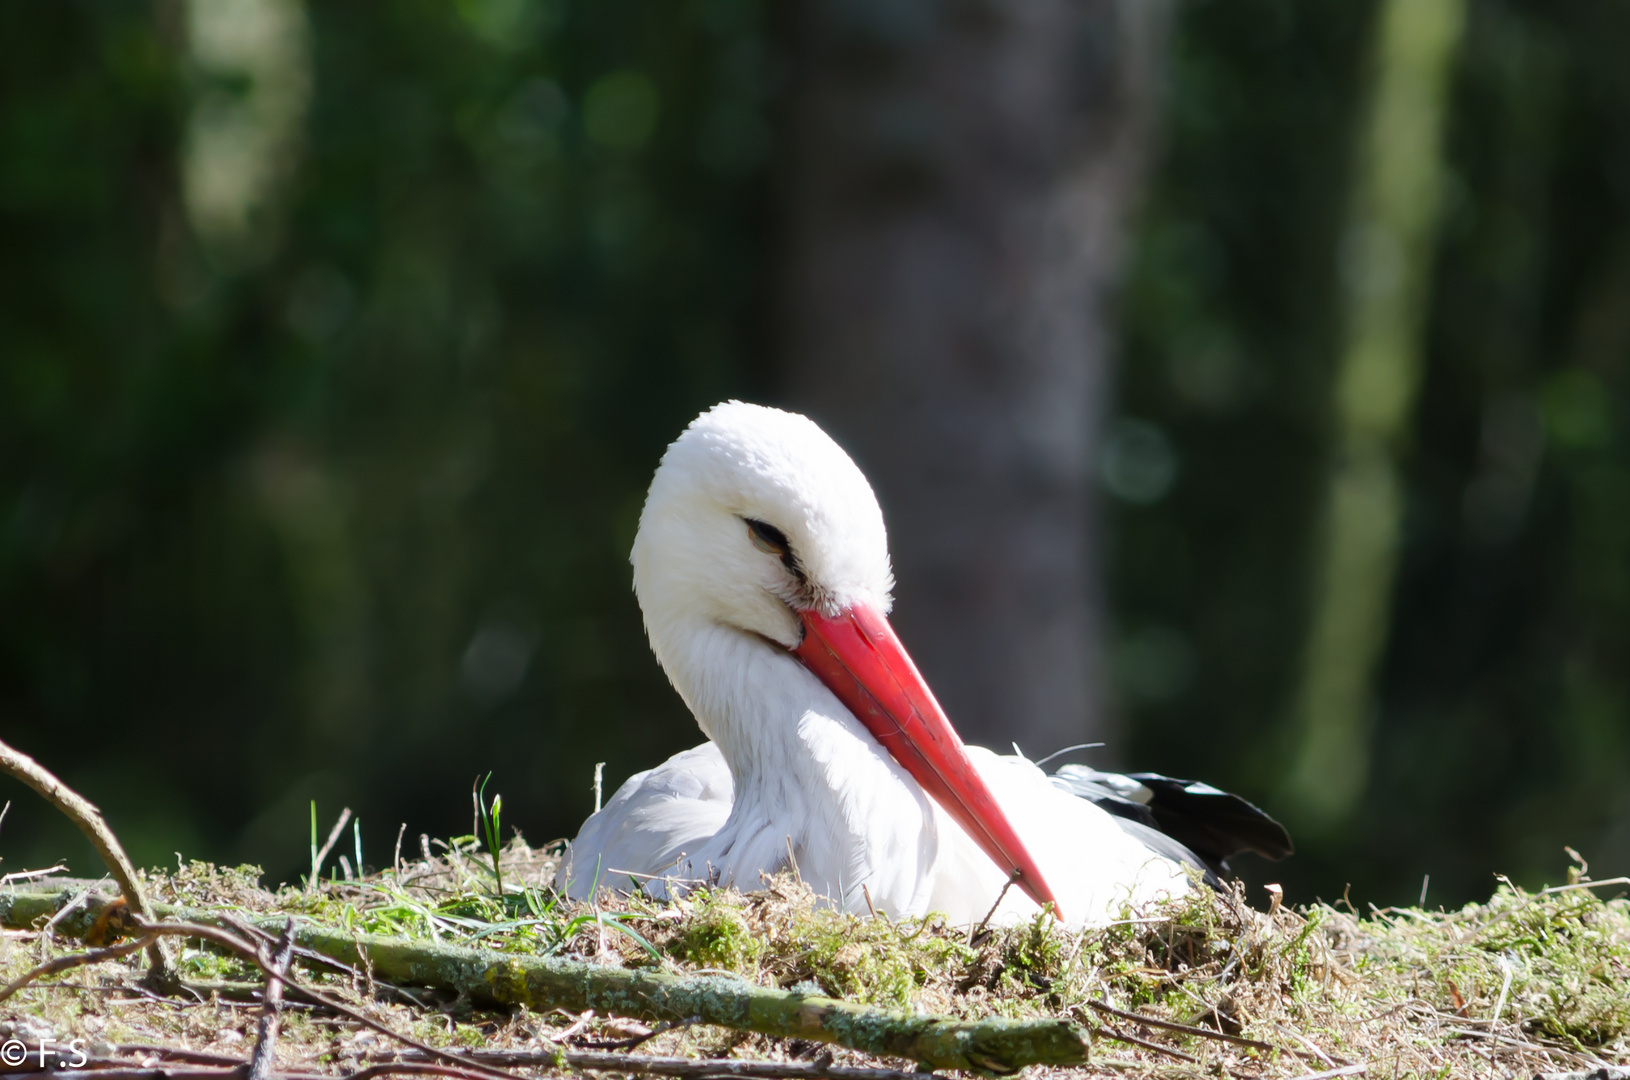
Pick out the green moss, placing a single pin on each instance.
(1032, 957)
(718, 935)
(788, 939)
(194, 882)
(1566, 953)
(209, 965)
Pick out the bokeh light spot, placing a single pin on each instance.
(620, 110)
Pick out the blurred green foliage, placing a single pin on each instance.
(343, 514)
(350, 522)
(1503, 729)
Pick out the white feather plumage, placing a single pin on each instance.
(788, 769)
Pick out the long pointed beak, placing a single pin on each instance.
(860, 660)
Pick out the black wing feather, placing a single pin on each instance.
(1215, 820)
(1211, 825)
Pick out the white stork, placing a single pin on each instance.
(762, 569)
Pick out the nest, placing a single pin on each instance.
(1526, 983)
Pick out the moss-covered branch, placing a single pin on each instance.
(542, 983)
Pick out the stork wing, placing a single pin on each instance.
(655, 818)
(1212, 824)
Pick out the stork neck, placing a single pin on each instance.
(747, 694)
(807, 774)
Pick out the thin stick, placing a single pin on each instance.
(178, 1053)
(694, 1067)
(68, 963)
(29, 875)
(1505, 988)
(980, 929)
(84, 814)
(1204, 1033)
(328, 845)
(73, 905)
(1331, 1074)
(1576, 886)
(1313, 1053)
(792, 861)
(250, 932)
(410, 1068)
(254, 934)
(265, 1059)
(1120, 1036)
(641, 1040)
(259, 956)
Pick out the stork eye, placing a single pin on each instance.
(772, 541)
(768, 539)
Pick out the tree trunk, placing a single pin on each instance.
(957, 191)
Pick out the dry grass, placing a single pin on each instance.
(1522, 984)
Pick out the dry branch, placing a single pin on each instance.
(88, 818)
(328, 845)
(1132, 1040)
(1186, 1029)
(260, 1066)
(68, 963)
(1332, 1074)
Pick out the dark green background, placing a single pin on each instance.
(350, 523)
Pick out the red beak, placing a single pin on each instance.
(860, 660)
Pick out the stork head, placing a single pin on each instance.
(755, 516)
(758, 522)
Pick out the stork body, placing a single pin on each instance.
(761, 567)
